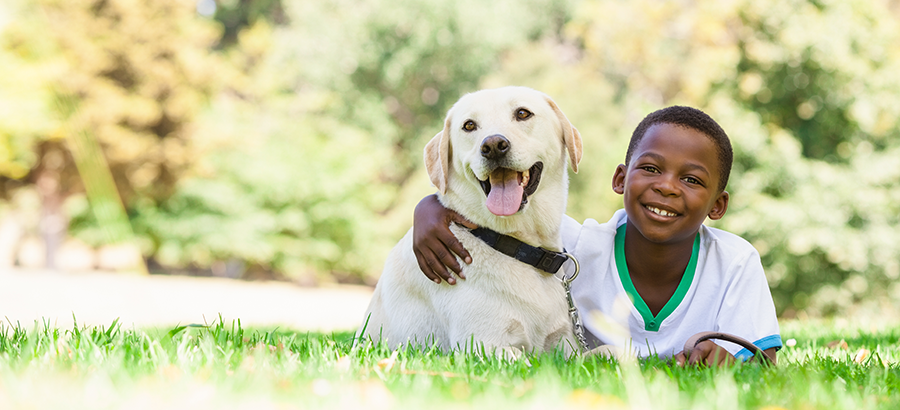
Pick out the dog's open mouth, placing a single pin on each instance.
(507, 190)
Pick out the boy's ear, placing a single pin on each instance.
(437, 158)
(618, 180)
(719, 207)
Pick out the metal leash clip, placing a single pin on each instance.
(573, 312)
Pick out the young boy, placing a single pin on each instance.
(680, 276)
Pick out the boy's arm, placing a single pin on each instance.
(434, 245)
(712, 354)
(708, 353)
(747, 308)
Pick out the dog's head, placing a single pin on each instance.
(501, 142)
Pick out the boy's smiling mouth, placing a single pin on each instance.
(661, 212)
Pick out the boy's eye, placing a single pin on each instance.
(649, 168)
(469, 126)
(692, 180)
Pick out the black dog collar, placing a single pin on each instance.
(545, 260)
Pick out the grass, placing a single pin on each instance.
(223, 366)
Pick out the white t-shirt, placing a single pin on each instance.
(727, 292)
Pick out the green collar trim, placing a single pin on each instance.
(651, 323)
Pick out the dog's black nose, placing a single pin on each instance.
(494, 147)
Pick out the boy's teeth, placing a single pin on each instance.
(660, 211)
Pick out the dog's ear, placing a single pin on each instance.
(437, 158)
(571, 136)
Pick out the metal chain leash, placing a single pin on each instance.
(573, 312)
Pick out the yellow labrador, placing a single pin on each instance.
(500, 162)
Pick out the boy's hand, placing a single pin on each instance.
(708, 353)
(433, 243)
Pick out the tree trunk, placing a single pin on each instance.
(52, 225)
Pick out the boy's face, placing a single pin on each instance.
(671, 184)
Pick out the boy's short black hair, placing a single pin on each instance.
(691, 118)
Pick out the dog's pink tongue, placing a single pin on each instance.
(506, 193)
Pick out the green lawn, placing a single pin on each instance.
(223, 366)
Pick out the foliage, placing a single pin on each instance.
(297, 197)
(290, 137)
(26, 102)
(237, 15)
(226, 366)
(136, 100)
(398, 66)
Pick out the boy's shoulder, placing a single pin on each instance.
(727, 244)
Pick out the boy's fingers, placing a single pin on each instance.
(713, 359)
(717, 357)
(696, 357)
(710, 354)
(443, 247)
(452, 242)
(446, 259)
(433, 269)
(679, 359)
(700, 353)
(724, 358)
(455, 246)
(438, 264)
(423, 266)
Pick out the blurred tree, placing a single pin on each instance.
(129, 74)
(832, 91)
(398, 66)
(27, 104)
(237, 15)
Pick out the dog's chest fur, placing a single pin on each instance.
(534, 314)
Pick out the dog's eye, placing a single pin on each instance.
(523, 114)
(469, 126)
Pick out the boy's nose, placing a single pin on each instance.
(666, 185)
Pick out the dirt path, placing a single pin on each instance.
(98, 298)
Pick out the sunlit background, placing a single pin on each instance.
(282, 139)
